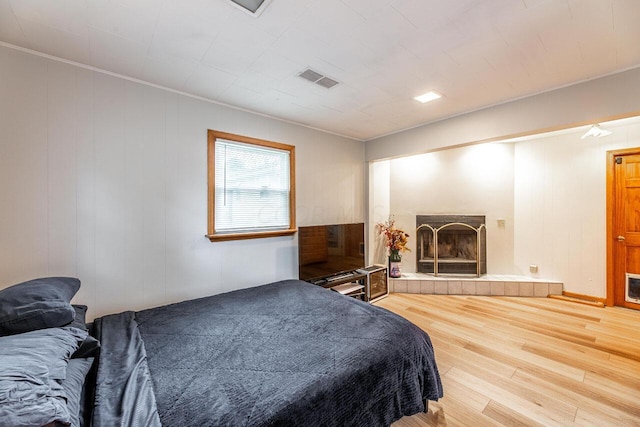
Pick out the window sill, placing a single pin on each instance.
(256, 235)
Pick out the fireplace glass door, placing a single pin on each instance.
(451, 244)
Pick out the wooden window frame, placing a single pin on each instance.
(214, 135)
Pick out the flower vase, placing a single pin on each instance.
(394, 264)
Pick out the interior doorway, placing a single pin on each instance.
(623, 228)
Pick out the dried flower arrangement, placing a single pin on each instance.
(395, 238)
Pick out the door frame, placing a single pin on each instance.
(611, 155)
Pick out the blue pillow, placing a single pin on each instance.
(90, 347)
(32, 365)
(37, 304)
(29, 397)
(77, 371)
(80, 317)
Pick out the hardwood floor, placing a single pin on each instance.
(508, 361)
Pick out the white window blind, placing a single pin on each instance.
(251, 187)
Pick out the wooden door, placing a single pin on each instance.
(623, 223)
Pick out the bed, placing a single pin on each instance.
(287, 353)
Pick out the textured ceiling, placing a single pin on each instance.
(383, 52)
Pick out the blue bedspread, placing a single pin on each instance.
(283, 354)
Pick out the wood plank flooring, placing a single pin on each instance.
(508, 361)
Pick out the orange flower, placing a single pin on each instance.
(395, 238)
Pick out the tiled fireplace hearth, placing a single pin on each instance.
(488, 284)
(451, 259)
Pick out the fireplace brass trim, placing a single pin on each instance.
(435, 242)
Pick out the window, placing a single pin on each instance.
(251, 187)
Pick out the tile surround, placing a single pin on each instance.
(526, 289)
(497, 285)
(413, 286)
(540, 289)
(441, 288)
(468, 287)
(454, 287)
(426, 287)
(483, 288)
(512, 289)
(399, 285)
(555, 288)
(497, 288)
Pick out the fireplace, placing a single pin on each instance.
(451, 244)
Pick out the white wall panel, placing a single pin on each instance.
(106, 179)
(379, 208)
(177, 233)
(135, 168)
(112, 281)
(61, 168)
(152, 225)
(86, 186)
(560, 207)
(23, 166)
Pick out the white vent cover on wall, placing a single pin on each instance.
(318, 78)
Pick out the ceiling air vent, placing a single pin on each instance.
(318, 78)
(252, 7)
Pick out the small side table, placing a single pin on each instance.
(376, 284)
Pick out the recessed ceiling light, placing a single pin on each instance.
(429, 96)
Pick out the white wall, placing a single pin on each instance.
(476, 180)
(379, 209)
(105, 179)
(560, 206)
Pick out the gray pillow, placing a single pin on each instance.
(90, 346)
(28, 397)
(77, 371)
(37, 304)
(80, 317)
(31, 366)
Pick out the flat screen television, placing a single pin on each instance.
(325, 250)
